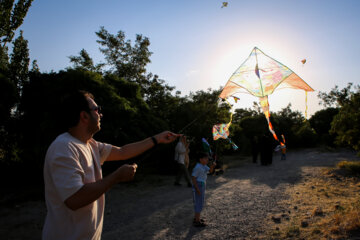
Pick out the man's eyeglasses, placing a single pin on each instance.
(96, 109)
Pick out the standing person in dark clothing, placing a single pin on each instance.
(263, 150)
(269, 150)
(266, 149)
(254, 148)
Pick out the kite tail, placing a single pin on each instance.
(233, 144)
(265, 107)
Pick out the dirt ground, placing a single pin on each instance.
(239, 203)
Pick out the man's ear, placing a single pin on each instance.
(84, 116)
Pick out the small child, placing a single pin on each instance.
(199, 176)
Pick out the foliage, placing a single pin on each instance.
(125, 60)
(7, 99)
(336, 97)
(306, 136)
(13, 74)
(85, 62)
(11, 17)
(19, 62)
(346, 124)
(287, 122)
(321, 123)
(195, 115)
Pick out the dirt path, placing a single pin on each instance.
(238, 203)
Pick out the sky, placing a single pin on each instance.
(197, 44)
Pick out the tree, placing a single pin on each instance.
(345, 124)
(85, 62)
(321, 123)
(336, 97)
(242, 113)
(160, 99)
(11, 17)
(13, 74)
(125, 60)
(19, 63)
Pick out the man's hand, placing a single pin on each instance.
(126, 172)
(166, 137)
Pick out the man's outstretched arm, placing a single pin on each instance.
(134, 149)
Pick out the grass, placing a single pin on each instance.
(323, 207)
(351, 167)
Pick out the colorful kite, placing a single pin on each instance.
(260, 75)
(224, 4)
(222, 131)
(303, 61)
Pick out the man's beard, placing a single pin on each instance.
(94, 127)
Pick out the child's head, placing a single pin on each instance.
(203, 158)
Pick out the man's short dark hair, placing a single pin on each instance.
(73, 104)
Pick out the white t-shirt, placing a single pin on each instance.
(180, 150)
(69, 164)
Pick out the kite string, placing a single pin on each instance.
(306, 106)
(193, 121)
(231, 112)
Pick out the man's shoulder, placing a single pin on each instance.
(60, 139)
(62, 142)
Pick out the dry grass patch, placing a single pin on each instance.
(323, 207)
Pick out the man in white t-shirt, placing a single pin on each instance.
(74, 186)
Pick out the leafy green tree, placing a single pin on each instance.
(13, 73)
(288, 122)
(7, 99)
(241, 113)
(305, 136)
(85, 62)
(19, 62)
(321, 123)
(346, 124)
(195, 116)
(35, 67)
(336, 97)
(11, 17)
(126, 61)
(160, 99)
